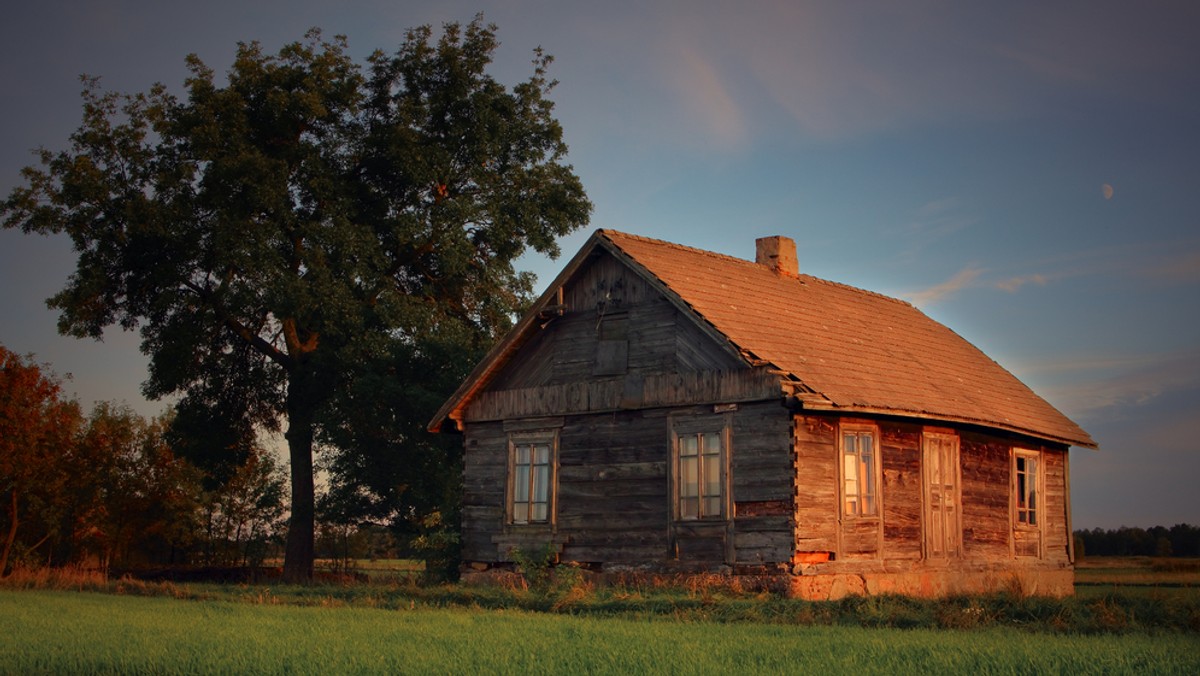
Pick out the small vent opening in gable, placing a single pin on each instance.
(612, 345)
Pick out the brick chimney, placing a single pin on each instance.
(777, 253)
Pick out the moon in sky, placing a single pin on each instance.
(1108, 191)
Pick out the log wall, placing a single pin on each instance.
(613, 495)
(989, 537)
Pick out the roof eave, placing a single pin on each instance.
(1084, 442)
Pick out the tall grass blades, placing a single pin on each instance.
(61, 632)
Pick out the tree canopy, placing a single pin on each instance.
(272, 234)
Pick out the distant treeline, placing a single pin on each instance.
(1179, 540)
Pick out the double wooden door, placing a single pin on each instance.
(941, 478)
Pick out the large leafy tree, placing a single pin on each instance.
(270, 234)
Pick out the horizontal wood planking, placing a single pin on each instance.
(816, 483)
(901, 494)
(657, 337)
(1055, 529)
(607, 395)
(614, 504)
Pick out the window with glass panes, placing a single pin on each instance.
(1027, 488)
(699, 472)
(859, 458)
(532, 475)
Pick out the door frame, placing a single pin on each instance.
(950, 550)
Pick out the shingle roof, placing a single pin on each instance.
(857, 350)
(844, 348)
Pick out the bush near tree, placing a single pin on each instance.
(108, 491)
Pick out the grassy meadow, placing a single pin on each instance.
(72, 632)
(1128, 616)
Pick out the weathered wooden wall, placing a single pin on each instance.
(817, 506)
(986, 497)
(762, 485)
(902, 491)
(1056, 531)
(613, 409)
(988, 532)
(613, 496)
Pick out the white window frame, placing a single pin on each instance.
(530, 440)
(875, 480)
(702, 431)
(1028, 501)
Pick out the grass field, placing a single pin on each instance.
(73, 632)
(1138, 571)
(1129, 615)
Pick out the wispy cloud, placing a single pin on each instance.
(1012, 284)
(844, 69)
(1170, 263)
(710, 105)
(1181, 268)
(940, 217)
(963, 279)
(1101, 387)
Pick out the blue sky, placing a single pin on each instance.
(1027, 173)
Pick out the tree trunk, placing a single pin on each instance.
(12, 535)
(301, 405)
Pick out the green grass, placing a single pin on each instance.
(1141, 571)
(72, 632)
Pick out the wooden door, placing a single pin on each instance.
(943, 527)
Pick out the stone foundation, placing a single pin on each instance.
(932, 583)
(826, 585)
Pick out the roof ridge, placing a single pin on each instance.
(672, 245)
(801, 277)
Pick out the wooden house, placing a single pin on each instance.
(663, 408)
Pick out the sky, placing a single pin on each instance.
(1026, 173)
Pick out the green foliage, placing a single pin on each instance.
(439, 545)
(535, 565)
(133, 502)
(1182, 539)
(37, 428)
(109, 491)
(277, 236)
(240, 519)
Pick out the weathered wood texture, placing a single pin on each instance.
(1056, 529)
(629, 392)
(988, 532)
(658, 338)
(761, 478)
(621, 363)
(986, 496)
(815, 452)
(613, 489)
(901, 492)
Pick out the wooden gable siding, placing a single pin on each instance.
(604, 395)
(661, 339)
